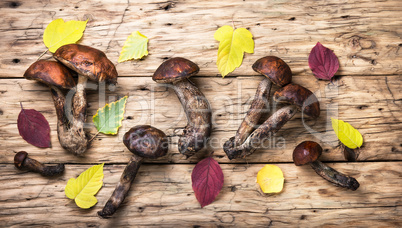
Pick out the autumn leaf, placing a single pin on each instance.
(270, 178)
(135, 47)
(84, 188)
(347, 134)
(59, 33)
(207, 179)
(108, 119)
(323, 62)
(34, 128)
(232, 46)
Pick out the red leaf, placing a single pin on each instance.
(207, 178)
(323, 62)
(34, 128)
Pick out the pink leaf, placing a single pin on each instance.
(323, 62)
(34, 128)
(207, 178)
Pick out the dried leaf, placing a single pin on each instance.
(59, 33)
(323, 62)
(83, 189)
(232, 46)
(108, 119)
(347, 134)
(207, 179)
(135, 47)
(34, 128)
(270, 178)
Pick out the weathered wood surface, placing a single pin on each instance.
(162, 194)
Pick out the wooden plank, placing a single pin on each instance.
(162, 195)
(370, 104)
(364, 34)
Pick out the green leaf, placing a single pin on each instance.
(59, 33)
(232, 46)
(108, 119)
(347, 134)
(135, 47)
(83, 189)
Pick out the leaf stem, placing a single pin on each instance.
(42, 54)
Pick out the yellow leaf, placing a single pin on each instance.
(135, 47)
(85, 186)
(347, 134)
(59, 33)
(108, 119)
(270, 178)
(232, 46)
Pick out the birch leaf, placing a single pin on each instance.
(232, 46)
(87, 184)
(347, 134)
(270, 178)
(135, 47)
(108, 119)
(59, 33)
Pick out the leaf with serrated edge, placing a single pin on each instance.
(347, 134)
(135, 47)
(59, 33)
(87, 184)
(323, 62)
(270, 178)
(108, 119)
(232, 46)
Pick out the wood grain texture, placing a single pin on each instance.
(162, 195)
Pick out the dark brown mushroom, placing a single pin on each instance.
(22, 161)
(89, 63)
(308, 152)
(143, 141)
(177, 71)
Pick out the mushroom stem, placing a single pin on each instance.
(333, 176)
(122, 188)
(80, 100)
(198, 113)
(261, 99)
(272, 125)
(35, 166)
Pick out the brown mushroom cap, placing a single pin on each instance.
(175, 69)
(87, 61)
(275, 69)
(51, 73)
(306, 152)
(146, 141)
(19, 159)
(300, 96)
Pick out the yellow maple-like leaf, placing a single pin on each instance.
(270, 178)
(232, 46)
(347, 134)
(108, 119)
(135, 47)
(83, 189)
(59, 33)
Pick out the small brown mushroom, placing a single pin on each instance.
(177, 71)
(89, 63)
(22, 161)
(143, 141)
(308, 152)
(298, 97)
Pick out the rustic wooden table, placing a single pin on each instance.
(364, 34)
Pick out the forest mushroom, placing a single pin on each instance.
(276, 72)
(143, 141)
(22, 161)
(57, 77)
(89, 63)
(308, 152)
(177, 71)
(298, 97)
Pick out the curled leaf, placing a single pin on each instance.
(135, 47)
(109, 118)
(323, 62)
(270, 178)
(347, 134)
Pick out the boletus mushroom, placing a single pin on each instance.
(298, 97)
(143, 141)
(177, 71)
(308, 152)
(22, 161)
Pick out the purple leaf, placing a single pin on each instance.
(323, 62)
(34, 128)
(207, 179)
